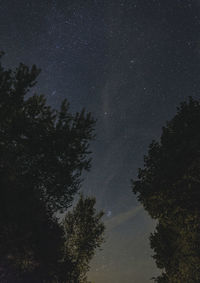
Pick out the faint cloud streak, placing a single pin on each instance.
(119, 219)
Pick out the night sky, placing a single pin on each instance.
(129, 62)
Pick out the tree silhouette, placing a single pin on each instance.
(169, 188)
(43, 152)
(83, 233)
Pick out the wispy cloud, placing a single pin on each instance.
(122, 217)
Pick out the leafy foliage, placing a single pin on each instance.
(169, 188)
(43, 152)
(83, 233)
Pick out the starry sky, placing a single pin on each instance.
(129, 62)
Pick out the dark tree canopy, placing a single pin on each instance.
(44, 147)
(84, 230)
(43, 152)
(169, 188)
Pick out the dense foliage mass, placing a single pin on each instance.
(84, 233)
(42, 155)
(169, 188)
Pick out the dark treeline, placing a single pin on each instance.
(42, 155)
(43, 152)
(169, 188)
